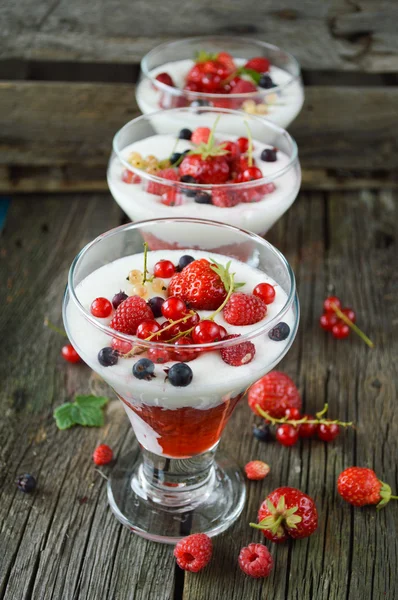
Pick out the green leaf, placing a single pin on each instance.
(203, 56)
(225, 275)
(254, 75)
(85, 410)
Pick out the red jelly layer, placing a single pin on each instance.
(186, 431)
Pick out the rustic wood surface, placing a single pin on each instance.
(63, 543)
(338, 34)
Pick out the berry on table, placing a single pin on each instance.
(69, 354)
(165, 78)
(194, 552)
(174, 308)
(265, 291)
(255, 560)
(129, 314)
(263, 433)
(268, 155)
(144, 369)
(202, 198)
(287, 434)
(280, 332)
(164, 269)
(201, 135)
(159, 356)
(118, 299)
(331, 301)
(259, 64)
(101, 307)
(185, 134)
(266, 82)
(360, 486)
(238, 355)
(102, 455)
(328, 320)
(146, 329)
(244, 309)
(257, 470)
(308, 430)
(155, 304)
(328, 432)
(199, 286)
(180, 375)
(205, 332)
(184, 261)
(349, 313)
(108, 357)
(340, 331)
(26, 483)
(274, 393)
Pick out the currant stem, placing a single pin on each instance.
(250, 148)
(352, 325)
(47, 323)
(296, 422)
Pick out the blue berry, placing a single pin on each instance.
(144, 369)
(26, 483)
(175, 157)
(266, 82)
(188, 179)
(180, 375)
(155, 304)
(185, 134)
(203, 198)
(269, 155)
(280, 332)
(118, 299)
(198, 103)
(184, 261)
(107, 357)
(263, 433)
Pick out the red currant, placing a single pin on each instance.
(223, 331)
(121, 346)
(243, 164)
(164, 269)
(350, 314)
(340, 330)
(327, 305)
(308, 430)
(233, 151)
(206, 332)
(69, 353)
(184, 354)
(293, 414)
(147, 328)
(265, 291)
(164, 336)
(328, 320)
(287, 435)
(328, 433)
(243, 144)
(101, 307)
(252, 173)
(159, 355)
(173, 308)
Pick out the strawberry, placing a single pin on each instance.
(165, 78)
(244, 309)
(243, 87)
(287, 512)
(212, 169)
(102, 455)
(259, 64)
(171, 198)
(238, 355)
(199, 286)
(226, 59)
(201, 135)
(129, 314)
(360, 486)
(224, 198)
(157, 188)
(274, 393)
(256, 470)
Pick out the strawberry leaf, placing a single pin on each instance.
(203, 56)
(85, 410)
(225, 275)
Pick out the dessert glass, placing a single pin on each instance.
(173, 485)
(277, 190)
(280, 104)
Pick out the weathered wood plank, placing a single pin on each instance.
(61, 124)
(332, 35)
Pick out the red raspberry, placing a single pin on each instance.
(224, 198)
(165, 78)
(130, 314)
(360, 486)
(256, 470)
(238, 355)
(102, 455)
(256, 561)
(194, 552)
(259, 64)
(274, 393)
(157, 188)
(243, 87)
(201, 135)
(244, 309)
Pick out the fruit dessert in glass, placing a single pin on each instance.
(225, 72)
(159, 167)
(179, 335)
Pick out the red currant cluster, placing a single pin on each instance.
(329, 321)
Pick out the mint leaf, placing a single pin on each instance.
(85, 410)
(254, 75)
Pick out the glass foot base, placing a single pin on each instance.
(159, 516)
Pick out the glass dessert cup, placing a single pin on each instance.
(256, 205)
(281, 103)
(173, 485)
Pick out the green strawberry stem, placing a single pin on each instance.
(250, 148)
(318, 421)
(352, 325)
(385, 495)
(47, 323)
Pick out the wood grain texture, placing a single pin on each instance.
(58, 124)
(322, 35)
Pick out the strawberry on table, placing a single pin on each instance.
(360, 486)
(274, 393)
(256, 470)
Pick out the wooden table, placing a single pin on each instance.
(63, 543)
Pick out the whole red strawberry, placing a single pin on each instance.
(274, 393)
(244, 309)
(199, 286)
(259, 64)
(129, 314)
(256, 470)
(194, 552)
(360, 486)
(213, 169)
(287, 512)
(102, 455)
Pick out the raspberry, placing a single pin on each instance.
(255, 560)
(259, 64)
(274, 393)
(129, 314)
(243, 87)
(238, 355)
(224, 198)
(157, 188)
(256, 470)
(244, 309)
(102, 455)
(194, 552)
(171, 198)
(201, 135)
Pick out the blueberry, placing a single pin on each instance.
(188, 179)
(185, 134)
(202, 198)
(175, 157)
(269, 155)
(26, 483)
(144, 369)
(266, 81)
(107, 357)
(180, 375)
(185, 261)
(263, 433)
(198, 103)
(118, 299)
(280, 332)
(155, 304)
